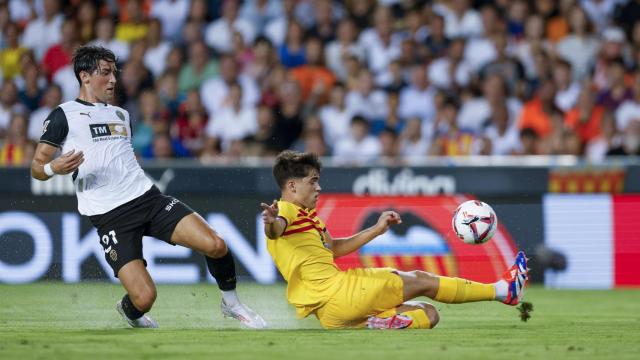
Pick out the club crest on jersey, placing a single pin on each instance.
(120, 115)
(106, 130)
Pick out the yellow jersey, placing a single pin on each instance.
(303, 260)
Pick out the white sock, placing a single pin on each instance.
(502, 290)
(230, 297)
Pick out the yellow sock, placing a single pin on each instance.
(420, 319)
(457, 290)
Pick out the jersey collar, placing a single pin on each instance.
(88, 103)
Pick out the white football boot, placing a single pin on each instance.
(145, 321)
(244, 314)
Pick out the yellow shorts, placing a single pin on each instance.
(362, 293)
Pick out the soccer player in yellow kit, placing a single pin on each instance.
(303, 250)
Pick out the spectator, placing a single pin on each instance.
(50, 100)
(288, 116)
(413, 144)
(586, 117)
(336, 116)
(214, 91)
(580, 46)
(557, 22)
(461, 19)
(449, 139)
(475, 111)
(380, 44)
(617, 91)
(45, 31)
(315, 144)
(629, 110)
(263, 62)
(417, 29)
(628, 16)
(105, 31)
(451, 72)
(393, 79)
(261, 143)
(345, 45)
(531, 45)
(291, 52)
(218, 34)
(324, 26)
(66, 79)
(361, 12)
(151, 120)
(536, 113)
(417, 98)
(164, 147)
(276, 29)
(60, 54)
(367, 101)
(135, 26)
(568, 90)
(508, 67)
(10, 53)
(234, 121)
(389, 145)
(16, 148)
(437, 42)
(598, 147)
(517, 18)
(86, 19)
(600, 11)
(172, 15)
(482, 50)
(530, 141)
(260, 12)
(502, 131)
(359, 147)
(32, 87)
(630, 141)
(191, 123)
(611, 50)
(200, 68)
(155, 56)
(9, 105)
(314, 78)
(174, 62)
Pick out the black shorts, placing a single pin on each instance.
(121, 229)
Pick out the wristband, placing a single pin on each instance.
(48, 170)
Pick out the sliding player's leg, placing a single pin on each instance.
(193, 232)
(409, 315)
(140, 296)
(509, 289)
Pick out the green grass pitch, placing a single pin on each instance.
(59, 321)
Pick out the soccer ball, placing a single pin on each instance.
(474, 222)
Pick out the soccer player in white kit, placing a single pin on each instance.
(94, 139)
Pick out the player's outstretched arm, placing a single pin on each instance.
(274, 225)
(344, 246)
(63, 164)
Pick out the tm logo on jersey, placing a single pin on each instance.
(99, 131)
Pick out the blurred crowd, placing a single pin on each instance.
(356, 80)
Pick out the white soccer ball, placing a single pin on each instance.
(474, 222)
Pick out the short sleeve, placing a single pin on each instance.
(287, 211)
(55, 128)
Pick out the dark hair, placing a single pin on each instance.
(86, 58)
(294, 165)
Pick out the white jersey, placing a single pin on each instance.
(110, 174)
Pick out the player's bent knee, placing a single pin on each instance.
(215, 247)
